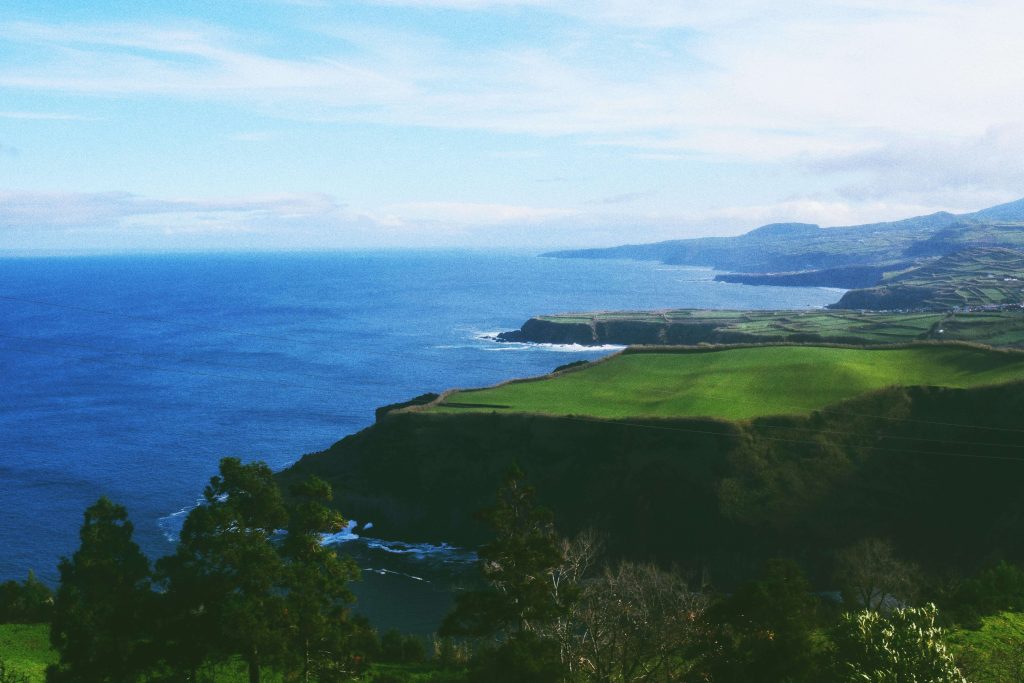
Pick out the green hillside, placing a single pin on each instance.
(935, 470)
(790, 247)
(837, 326)
(739, 383)
(976, 277)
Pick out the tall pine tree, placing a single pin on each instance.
(102, 607)
(224, 582)
(316, 581)
(518, 603)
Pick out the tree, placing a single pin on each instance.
(634, 624)
(518, 605)
(224, 582)
(903, 647)
(30, 602)
(764, 631)
(872, 577)
(517, 565)
(316, 580)
(101, 608)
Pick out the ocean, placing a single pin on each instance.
(131, 376)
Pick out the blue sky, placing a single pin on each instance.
(327, 124)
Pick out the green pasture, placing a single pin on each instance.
(995, 328)
(739, 383)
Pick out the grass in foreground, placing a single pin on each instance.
(26, 649)
(739, 383)
(995, 652)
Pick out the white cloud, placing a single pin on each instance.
(124, 220)
(470, 213)
(976, 170)
(910, 106)
(127, 221)
(769, 83)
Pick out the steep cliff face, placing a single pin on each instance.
(541, 331)
(936, 470)
(671, 332)
(842, 278)
(887, 299)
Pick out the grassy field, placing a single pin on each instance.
(739, 383)
(979, 276)
(996, 328)
(995, 652)
(26, 649)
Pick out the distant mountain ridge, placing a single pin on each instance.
(802, 247)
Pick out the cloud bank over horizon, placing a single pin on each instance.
(389, 123)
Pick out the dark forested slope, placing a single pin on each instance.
(936, 470)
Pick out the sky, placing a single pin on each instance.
(325, 124)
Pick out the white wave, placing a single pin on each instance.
(578, 348)
(344, 536)
(170, 525)
(499, 345)
(384, 572)
(420, 551)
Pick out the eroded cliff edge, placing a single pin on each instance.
(903, 463)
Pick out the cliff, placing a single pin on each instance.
(936, 470)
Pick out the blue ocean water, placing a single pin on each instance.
(131, 376)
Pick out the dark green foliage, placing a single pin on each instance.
(316, 582)
(518, 603)
(391, 646)
(223, 582)
(525, 658)
(570, 366)
(995, 589)
(234, 590)
(30, 602)
(397, 648)
(764, 631)
(364, 642)
(516, 565)
(102, 609)
(707, 493)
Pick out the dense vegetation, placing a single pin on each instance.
(770, 514)
(738, 383)
(547, 610)
(691, 327)
(936, 470)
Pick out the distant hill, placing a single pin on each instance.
(801, 248)
(970, 278)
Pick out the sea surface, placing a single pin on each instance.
(131, 376)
